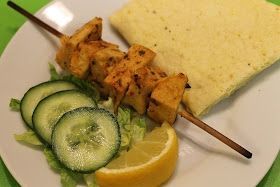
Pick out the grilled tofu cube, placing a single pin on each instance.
(166, 98)
(83, 56)
(120, 77)
(89, 32)
(144, 81)
(64, 39)
(101, 65)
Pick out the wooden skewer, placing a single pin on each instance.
(214, 133)
(180, 111)
(35, 19)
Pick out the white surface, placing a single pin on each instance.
(250, 117)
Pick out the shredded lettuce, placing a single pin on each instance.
(139, 130)
(52, 161)
(140, 122)
(68, 178)
(53, 72)
(85, 85)
(29, 137)
(125, 143)
(133, 128)
(124, 119)
(15, 104)
(90, 179)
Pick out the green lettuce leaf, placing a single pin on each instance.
(139, 130)
(53, 72)
(52, 161)
(85, 85)
(29, 137)
(90, 179)
(123, 118)
(15, 104)
(125, 139)
(133, 128)
(68, 178)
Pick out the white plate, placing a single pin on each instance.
(250, 116)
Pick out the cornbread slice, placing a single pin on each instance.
(219, 44)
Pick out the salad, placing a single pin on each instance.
(132, 128)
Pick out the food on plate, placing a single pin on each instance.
(50, 109)
(166, 97)
(219, 44)
(89, 32)
(148, 163)
(100, 134)
(35, 94)
(78, 138)
(86, 139)
(83, 57)
(120, 77)
(143, 81)
(128, 78)
(101, 65)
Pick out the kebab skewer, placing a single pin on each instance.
(119, 75)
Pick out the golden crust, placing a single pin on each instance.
(120, 77)
(102, 64)
(83, 56)
(166, 98)
(89, 32)
(144, 81)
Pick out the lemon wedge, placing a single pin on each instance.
(148, 163)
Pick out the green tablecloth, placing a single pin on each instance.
(11, 21)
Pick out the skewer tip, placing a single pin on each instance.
(9, 3)
(214, 133)
(248, 154)
(35, 19)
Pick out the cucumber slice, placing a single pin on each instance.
(35, 94)
(86, 139)
(51, 108)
